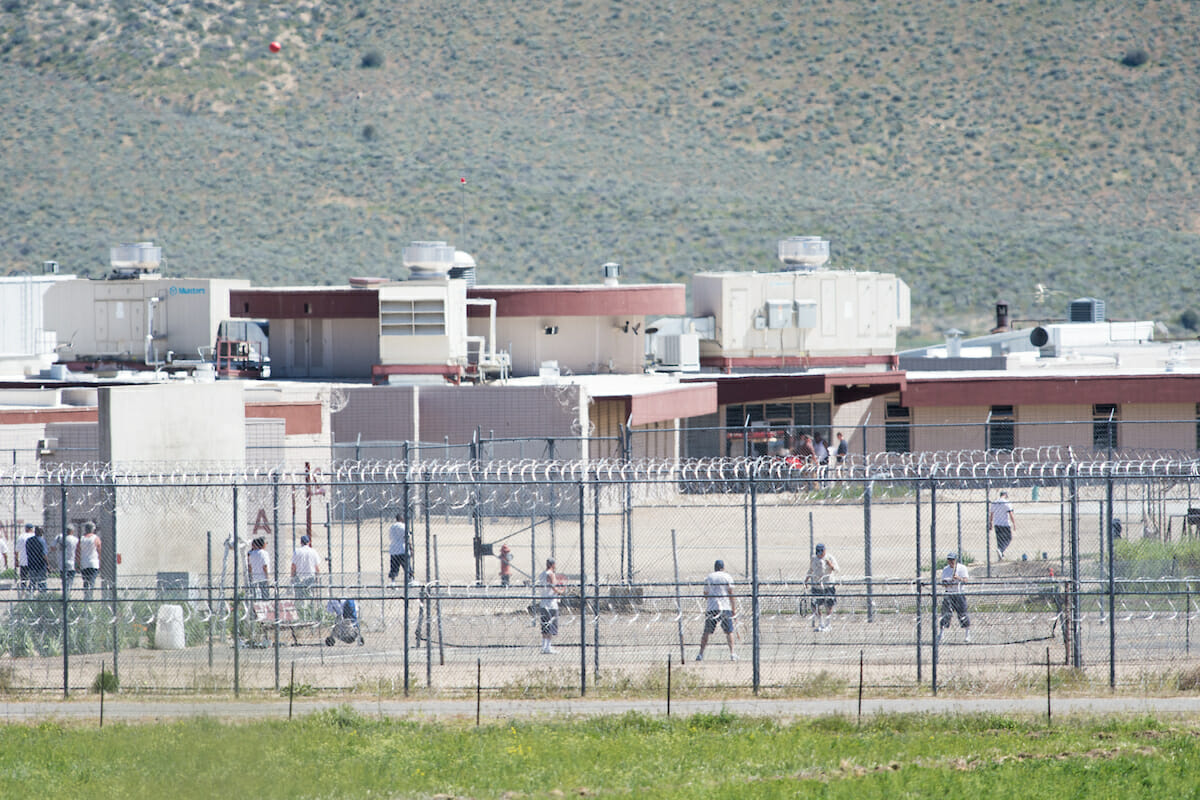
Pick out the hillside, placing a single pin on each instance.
(977, 149)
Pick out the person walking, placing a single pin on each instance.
(258, 568)
(398, 550)
(550, 588)
(506, 559)
(721, 607)
(839, 454)
(87, 558)
(36, 553)
(820, 580)
(22, 555)
(67, 547)
(306, 567)
(954, 576)
(1002, 523)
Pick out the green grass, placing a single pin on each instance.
(342, 754)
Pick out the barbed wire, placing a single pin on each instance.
(1025, 464)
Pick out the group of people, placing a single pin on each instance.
(814, 451)
(66, 555)
(306, 568)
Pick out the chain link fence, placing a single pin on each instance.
(1099, 579)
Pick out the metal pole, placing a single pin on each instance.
(208, 550)
(62, 573)
(1076, 650)
(987, 536)
(237, 569)
(933, 584)
(917, 553)
(596, 576)
(582, 583)
(867, 493)
(678, 600)
(753, 472)
(1112, 593)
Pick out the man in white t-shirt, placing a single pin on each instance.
(398, 550)
(954, 575)
(550, 586)
(720, 607)
(820, 580)
(4, 550)
(67, 548)
(1002, 522)
(306, 566)
(87, 558)
(23, 559)
(258, 567)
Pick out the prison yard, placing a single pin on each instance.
(1072, 602)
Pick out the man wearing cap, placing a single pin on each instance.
(820, 579)
(306, 566)
(258, 569)
(23, 559)
(721, 607)
(954, 575)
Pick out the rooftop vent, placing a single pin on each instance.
(803, 253)
(612, 273)
(428, 259)
(1086, 309)
(131, 260)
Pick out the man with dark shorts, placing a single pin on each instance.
(721, 607)
(820, 581)
(1002, 523)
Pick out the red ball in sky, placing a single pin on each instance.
(275, 47)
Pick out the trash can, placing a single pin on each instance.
(168, 628)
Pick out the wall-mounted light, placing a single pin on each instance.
(551, 330)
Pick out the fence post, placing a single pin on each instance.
(1112, 588)
(933, 584)
(867, 492)
(595, 574)
(582, 583)
(917, 553)
(237, 569)
(755, 654)
(1076, 652)
(208, 554)
(62, 574)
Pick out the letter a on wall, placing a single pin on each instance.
(260, 523)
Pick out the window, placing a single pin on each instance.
(1001, 431)
(1105, 426)
(1198, 426)
(896, 429)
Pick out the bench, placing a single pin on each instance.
(288, 619)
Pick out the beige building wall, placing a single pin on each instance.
(581, 345)
(1065, 425)
(1165, 426)
(949, 428)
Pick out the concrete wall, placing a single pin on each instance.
(158, 424)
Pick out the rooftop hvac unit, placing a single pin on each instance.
(428, 259)
(677, 352)
(1086, 309)
(129, 260)
(802, 253)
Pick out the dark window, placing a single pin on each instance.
(1105, 426)
(735, 416)
(1001, 431)
(896, 429)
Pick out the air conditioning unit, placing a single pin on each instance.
(677, 352)
(46, 447)
(1086, 309)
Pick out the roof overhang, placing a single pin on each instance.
(680, 401)
(846, 387)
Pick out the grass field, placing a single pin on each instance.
(340, 753)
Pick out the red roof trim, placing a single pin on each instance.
(315, 303)
(1051, 390)
(42, 416)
